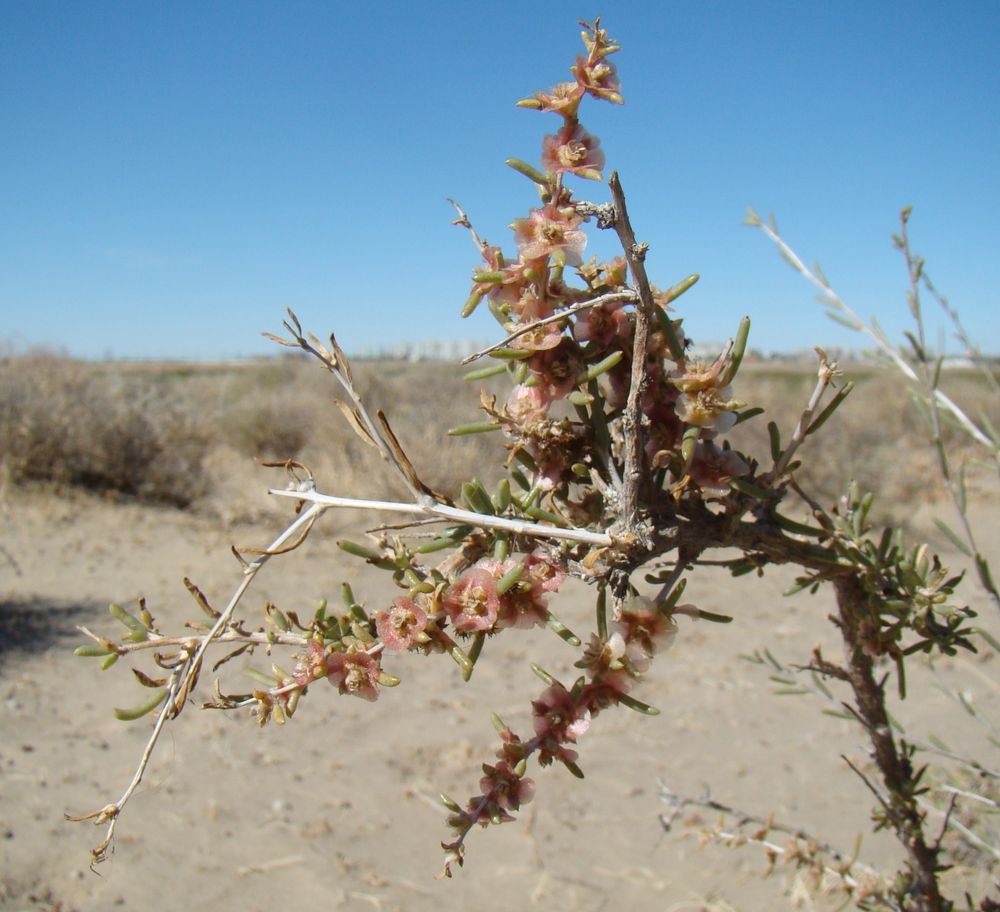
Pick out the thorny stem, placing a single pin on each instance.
(110, 813)
(455, 849)
(632, 431)
(896, 771)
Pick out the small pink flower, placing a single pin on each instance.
(598, 78)
(523, 604)
(472, 602)
(708, 408)
(545, 573)
(530, 306)
(713, 468)
(354, 673)
(704, 400)
(541, 338)
(557, 716)
(645, 629)
(526, 405)
(502, 786)
(574, 151)
(606, 690)
(551, 231)
(551, 464)
(399, 627)
(564, 99)
(615, 272)
(556, 369)
(665, 429)
(509, 282)
(512, 749)
(312, 665)
(603, 324)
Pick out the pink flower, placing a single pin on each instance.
(505, 283)
(312, 665)
(606, 690)
(541, 338)
(399, 626)
(665, 428)
(556, 369)
(574, 151)
(512, 749)
(354, 673)
(704, 400)
(503, 787)
(530, 306)
(645, 629)
(603, 324)
(523, 604)
(713, 468)
(543, 572)
(564, 99)
(551, 231)
(557, 716)
(472, 602)
(598, 78)
(526, 405)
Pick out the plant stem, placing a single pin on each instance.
(633, 434)
(897, 774)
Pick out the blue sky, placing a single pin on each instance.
(175, 174)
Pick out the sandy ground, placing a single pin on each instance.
(338, 809)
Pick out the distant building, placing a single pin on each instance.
(426, 350)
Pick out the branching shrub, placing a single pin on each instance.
(617, 469)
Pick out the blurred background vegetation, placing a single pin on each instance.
(190, 435)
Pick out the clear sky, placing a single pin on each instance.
(175, 174)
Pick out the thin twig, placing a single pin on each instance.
(844, 865)
(614, 297)
(229, 636)
(975, 839)
(182, 681)
(824, 378)
(860, 326)
(432, 508)
(914, 269)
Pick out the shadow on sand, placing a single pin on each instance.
(36, 624)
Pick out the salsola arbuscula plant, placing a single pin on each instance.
(617, 472)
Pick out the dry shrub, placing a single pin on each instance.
(92, 426)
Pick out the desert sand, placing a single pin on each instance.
(338, 809)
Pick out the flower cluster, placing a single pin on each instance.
(563, 337)
(354, 671)
(561, 716)
(496, 594)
